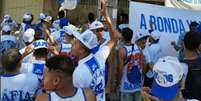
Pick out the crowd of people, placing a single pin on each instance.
(53, 60)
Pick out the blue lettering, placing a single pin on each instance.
(181, 27)
(14, 95)
(27, 97)
(188, 22)
(5, 97)
(167, 25)
(143, 22)
(21, 95)
(169, 77)
(160, 24)
(153, 20)
(174, 25)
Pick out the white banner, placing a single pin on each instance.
(169, 22)
(185, 4)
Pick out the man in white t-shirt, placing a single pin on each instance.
(141, 40)
(37, 65)
(58, 81)
(154, 47)
(98, 28)
(91, 67)
(16, 86)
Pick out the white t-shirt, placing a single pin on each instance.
(7, 41)
(29, 58)
(21, 87)
(145, 52)
(59, 36)
(77, 96)
(36, 67)
(154, 52)
(84, 77)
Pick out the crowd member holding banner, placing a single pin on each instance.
(192, 89)
(58, 80)
(154, 47)
(16, 86)
(131, 63)
(91, 67)
(141, 41)
(179, 45)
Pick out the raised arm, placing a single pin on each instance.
(114, 34)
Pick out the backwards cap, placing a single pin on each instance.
(40, 44)
(88, 38)
(168, 72)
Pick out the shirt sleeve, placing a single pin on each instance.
(81, 78)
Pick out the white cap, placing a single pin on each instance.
(40, 44)
(168, 71)
(96, 25)
(74, 28)
(27, 17)
(28, 35)
(155, 35)
(56, 24)
(6, 17)
(43, 16)
(88, 38)
(6, 28)
(68, 30)
(48, 19)
(141, 35)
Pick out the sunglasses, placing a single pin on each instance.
(100, 29)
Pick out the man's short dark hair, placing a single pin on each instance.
(63, 63)
(10, 59)
(91, 17)
(61, 14)
(192, 40)
(41, 52)
(127, 34)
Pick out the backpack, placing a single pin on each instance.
(133, 71)
(193, 80)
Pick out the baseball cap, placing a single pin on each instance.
(74, 28)
(56, 24)
(6, 28)
(141, 35)
(68, 30)
(96, 25)
(28, 35)
(155, 35)
(27, 17)
(167, 74)
(6, 17)
(88, 38)
(40, 44)
(48, 19)
(43, 16)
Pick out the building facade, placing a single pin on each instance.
(16, 8)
